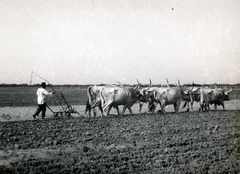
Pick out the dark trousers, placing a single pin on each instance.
(42, 108)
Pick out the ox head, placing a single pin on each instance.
(143, 92)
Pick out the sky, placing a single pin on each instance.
(104, 41)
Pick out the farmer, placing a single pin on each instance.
(42, 93)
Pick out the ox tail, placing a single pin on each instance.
(155, 95)
(103, 101)
(89, 99)
(89, 94)
(201, 102)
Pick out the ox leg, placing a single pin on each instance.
(151, 106)
(105, 107)
(188, 109)
(184, 105)
(154, 106)
(88, 109)
(192, 106)
(124, 109)
(200, 107)
(130, 110)
(117, 110)
(207, 107)
(88, 112)
(100, 108)
(223, 106)
(109, 108)
(176, 107)
(94, 112)
(140, 107)
(163, 108)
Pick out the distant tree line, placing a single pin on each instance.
(12, 85)
(142, 85)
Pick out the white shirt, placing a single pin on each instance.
(42, 93)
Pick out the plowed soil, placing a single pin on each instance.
(191, 142)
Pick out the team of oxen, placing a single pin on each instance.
(106, 97)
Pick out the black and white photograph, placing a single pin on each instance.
(119, 86)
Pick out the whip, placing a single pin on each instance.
(68, 110)
(49, 85)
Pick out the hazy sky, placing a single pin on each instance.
(104, 41)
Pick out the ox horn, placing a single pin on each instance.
(178, 83)
(138, 82)
(167, 83)
(149, 85)
(138, 85)
(229, 91)
(119, 83)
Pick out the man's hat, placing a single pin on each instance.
(43, 84)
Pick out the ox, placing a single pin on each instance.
(191, 96)
(204, 98)
(167, 96)
(118, 95)
(213, 96)
(218, 96)
(174, 95)
(146, 95)
(93, 94)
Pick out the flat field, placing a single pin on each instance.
(188, 142)
(19, 96)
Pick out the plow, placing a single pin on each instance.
(65, 109)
